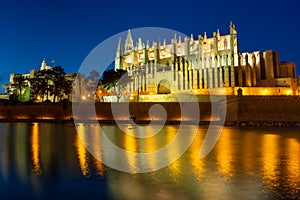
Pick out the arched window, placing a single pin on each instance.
(225, 44)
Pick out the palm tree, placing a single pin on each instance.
(67, 88)
(115, 80)
(19, 83)
(58, 81)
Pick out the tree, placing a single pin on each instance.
(58, 82)
(38, 86)
(115, 81)
(19, 83)
(50, 82)
(67, 88)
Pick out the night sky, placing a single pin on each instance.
(68, 30)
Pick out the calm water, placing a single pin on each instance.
(49, 161)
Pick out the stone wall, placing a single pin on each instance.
(268, 108)
(240, 110)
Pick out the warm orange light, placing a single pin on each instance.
(293, 164)
(35, 148)
(225, 152)
(130, 144)
(265, 92)
(81, 150)
(270, 159)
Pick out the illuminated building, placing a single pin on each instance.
(26, 86)
(189, 65)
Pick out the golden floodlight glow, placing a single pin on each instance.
(265, 91)
(83, 98)
(270, 159)
(81, 151)
(35, 148)
(222, 91)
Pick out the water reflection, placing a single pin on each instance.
(96, 147)
(198, 164)
(21, 152)
(39, 159)
(225, 154)
(293, 164)
(175, 169)
(35, 148)
(270, 159)
(4, 148)
(81, 151)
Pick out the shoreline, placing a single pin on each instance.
(245, 111)
(253, 124)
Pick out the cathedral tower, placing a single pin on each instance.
(119, 53)
(128, 43)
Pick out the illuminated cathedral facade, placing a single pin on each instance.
(206, 65)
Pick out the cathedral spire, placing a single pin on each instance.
(140, 44)
(119, 50)
(232, 28)
(175, 38)
(128, 42)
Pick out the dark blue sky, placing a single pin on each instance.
(68, 30)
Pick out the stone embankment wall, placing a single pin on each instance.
(123, 111)
(265, 111)
(36, 111)
(241, 111)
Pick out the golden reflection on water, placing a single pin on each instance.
(198, 165)
(175, 167)
(96, 148)
(35, 148)
(271, 162)
(81, 150)
(293, 164)
(225, 153)
(130, 144)
(151, 146)
(249, 150)
(270, 153)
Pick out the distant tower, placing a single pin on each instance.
(119, 53)
(128, 42)
(43, 65)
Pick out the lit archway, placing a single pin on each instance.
(163, 87)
